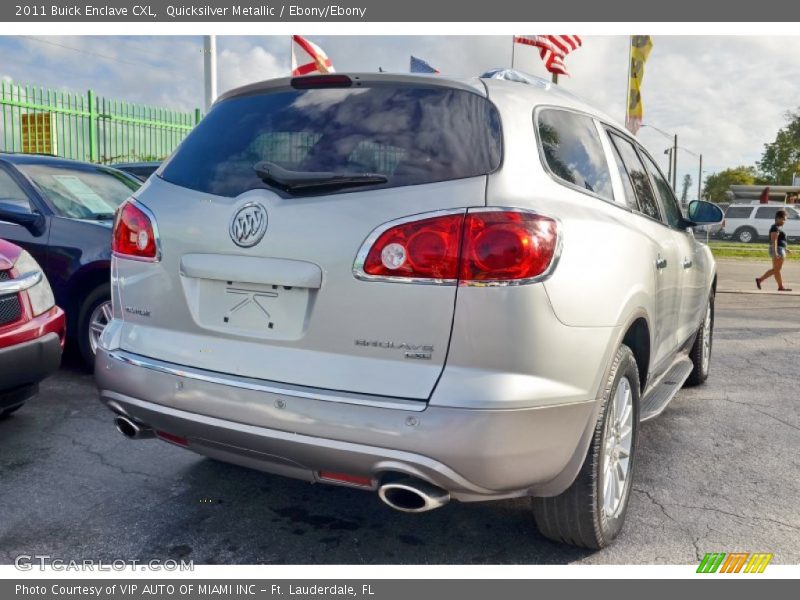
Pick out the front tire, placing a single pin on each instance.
(590, 513)
(700, 353)
(95, 313)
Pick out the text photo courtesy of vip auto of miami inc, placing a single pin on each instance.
(308, 299)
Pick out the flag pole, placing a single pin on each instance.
(513, 47)
(628, 79)
(555, 78)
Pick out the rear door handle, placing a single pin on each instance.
(661, 263)
(687, 263)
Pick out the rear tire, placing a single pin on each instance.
(91, 310)
(745, 235)
(700, 353)
(590, 513)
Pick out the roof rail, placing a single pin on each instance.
(518, 76)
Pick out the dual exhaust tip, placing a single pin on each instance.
(408, 494)
(413, 495)
(133, 430)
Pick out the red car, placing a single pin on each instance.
(31, 328)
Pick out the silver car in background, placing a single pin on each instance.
(428, 288)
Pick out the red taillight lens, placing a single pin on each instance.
(479, 246)
(134, 234)
(506, 246)
(425, 249)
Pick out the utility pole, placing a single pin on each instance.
(675, 163)
(700, 178)
(210, 68)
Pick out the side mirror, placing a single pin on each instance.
(701, 212)
(13, 213)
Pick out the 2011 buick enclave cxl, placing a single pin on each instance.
(423, 287)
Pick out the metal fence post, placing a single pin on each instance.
(197, 116)
(93, 126)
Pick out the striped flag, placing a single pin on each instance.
(552, 49)
(418, 65)
(308, 58)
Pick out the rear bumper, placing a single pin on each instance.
(473, 453)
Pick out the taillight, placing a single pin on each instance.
(134, 234)
(424, 249)
(480, 246)
(507, 246)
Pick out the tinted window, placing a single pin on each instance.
(12, 193)
(411, 135)
(638, 177)
(672, 211)
(573, 151)
(80, 193)
(767, 212)
(738, 212)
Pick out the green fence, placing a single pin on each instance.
(88, 127)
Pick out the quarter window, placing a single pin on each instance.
(573, 152)
(638, 177)
(767, 212)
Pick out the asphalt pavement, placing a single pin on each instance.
(717, 472)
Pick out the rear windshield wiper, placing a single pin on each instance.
(306, 181)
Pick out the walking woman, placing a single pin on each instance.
(777, 250)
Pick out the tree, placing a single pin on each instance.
(687, 183)
(717, 184)
(781, 158)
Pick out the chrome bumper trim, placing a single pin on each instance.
(262, 385)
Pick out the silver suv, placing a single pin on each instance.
(425, 288)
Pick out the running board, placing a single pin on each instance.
(657, 399)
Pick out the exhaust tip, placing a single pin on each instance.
(132, 430)
(413, 496)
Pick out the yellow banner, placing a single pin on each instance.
(640, 50)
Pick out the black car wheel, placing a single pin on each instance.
(590, 513)
(94, 315)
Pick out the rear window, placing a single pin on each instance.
(738, 212)
(411, 135)
(81, 193)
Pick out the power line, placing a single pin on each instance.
(95, 54)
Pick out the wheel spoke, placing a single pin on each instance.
(97, 328)
(107, 312)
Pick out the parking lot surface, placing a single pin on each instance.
(718, 471)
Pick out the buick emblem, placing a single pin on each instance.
(249, 224)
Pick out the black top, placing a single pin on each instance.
(781, 235)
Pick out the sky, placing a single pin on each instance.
(724, 96)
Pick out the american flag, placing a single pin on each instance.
(552, 49)
(420, 66)
(319, 63)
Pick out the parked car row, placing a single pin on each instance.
(429, 289)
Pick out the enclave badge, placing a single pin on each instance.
(248, 225)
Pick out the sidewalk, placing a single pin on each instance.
(738, 277)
